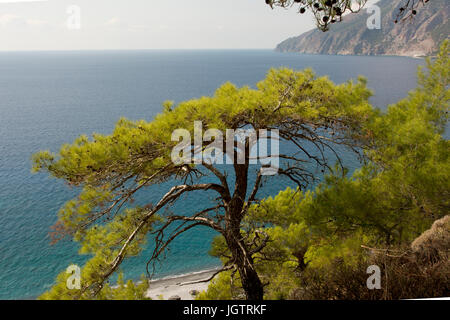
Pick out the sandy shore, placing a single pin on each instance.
(178, 285)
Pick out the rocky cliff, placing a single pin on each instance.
(419, 36)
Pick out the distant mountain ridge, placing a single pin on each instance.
(419, 37)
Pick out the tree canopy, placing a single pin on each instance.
(112, 169)
(399, 191)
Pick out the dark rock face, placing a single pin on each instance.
(419, 36)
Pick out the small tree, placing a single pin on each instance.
(311, 114)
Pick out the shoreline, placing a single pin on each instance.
(179, 285)
(413, 56)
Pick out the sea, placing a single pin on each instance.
(49, 98)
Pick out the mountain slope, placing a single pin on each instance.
(418, 37)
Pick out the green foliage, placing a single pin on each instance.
(121, 291)
(403, 187)
(103, 242)
(111, 169)
(419, 270)
(410, 150)
(220, 288)
(400, 190)
(143, 148)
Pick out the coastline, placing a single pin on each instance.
(413, 56)
(179, 285)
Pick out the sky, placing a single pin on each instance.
(145, 24)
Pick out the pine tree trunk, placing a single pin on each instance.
(249, 277)
(240, 254)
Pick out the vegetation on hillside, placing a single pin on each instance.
(323, 240)
(300, 244)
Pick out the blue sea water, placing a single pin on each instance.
(49, 98)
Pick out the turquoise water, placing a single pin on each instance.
(49, 98)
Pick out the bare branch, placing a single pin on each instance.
(222, 179)
(211, 277)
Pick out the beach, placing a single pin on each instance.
(181, 286)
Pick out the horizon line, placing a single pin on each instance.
(148, 49)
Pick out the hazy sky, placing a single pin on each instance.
(146, 24)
